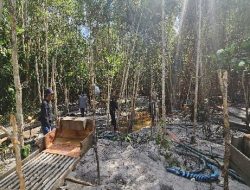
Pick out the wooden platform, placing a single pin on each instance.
(61, 150)
(42, 172)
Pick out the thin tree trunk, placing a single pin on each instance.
(132, 108)
(126, 73)
(52, 72)
(245, 86)
(27, 60)
(110, 81)
(23, 37)
(1, 8)
(123, 81)
(129, 59)
(223, 79)
(163, 36)
(134, 97)
(46, 44)
(92, 78)
(38, 81)
(66, 99)
(42, 71)
(54, 75)
(16, 145)
(26, 49)
(18, 87)
(172, 90)
(197, 76)
(151, 104)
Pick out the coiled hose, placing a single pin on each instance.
(201, 160)
(209, 161)
(213, 176)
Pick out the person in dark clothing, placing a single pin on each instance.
(46, 111)
(113, 106)
(83, 103)
(152, 108)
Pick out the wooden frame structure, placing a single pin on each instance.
(47, 168)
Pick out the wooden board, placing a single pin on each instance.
(240, 163)
(65, 146)
(67, 140)
(40, 173)
(246, 145)
(24, 162)
(236, 112)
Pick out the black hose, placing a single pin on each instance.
(202, 161)
(231, 172)
(213, 176)
(203, 153)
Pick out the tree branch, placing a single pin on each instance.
(5, 131)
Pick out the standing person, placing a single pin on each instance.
(113, 106)
(152, 107)
(46, 111)
(83, 103)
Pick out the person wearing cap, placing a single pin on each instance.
(46, 111)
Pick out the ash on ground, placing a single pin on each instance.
(140, 164)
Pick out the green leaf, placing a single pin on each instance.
(19, 30)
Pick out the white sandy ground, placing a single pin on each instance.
(141, 167)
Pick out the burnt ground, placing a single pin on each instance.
(139, 160)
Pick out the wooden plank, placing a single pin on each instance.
(35, 164)
(36, 167)
(53, 185)
(75, 123)
(57, 170)
(237, 142)
(48, 174)
(240, 163)
(87, 143)
(60, 180)
(12, 172)
(48, 183)
(237, 113)
(26, 128)
(238, 125)
(246, 145)
(36, 177)
(13, 177)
